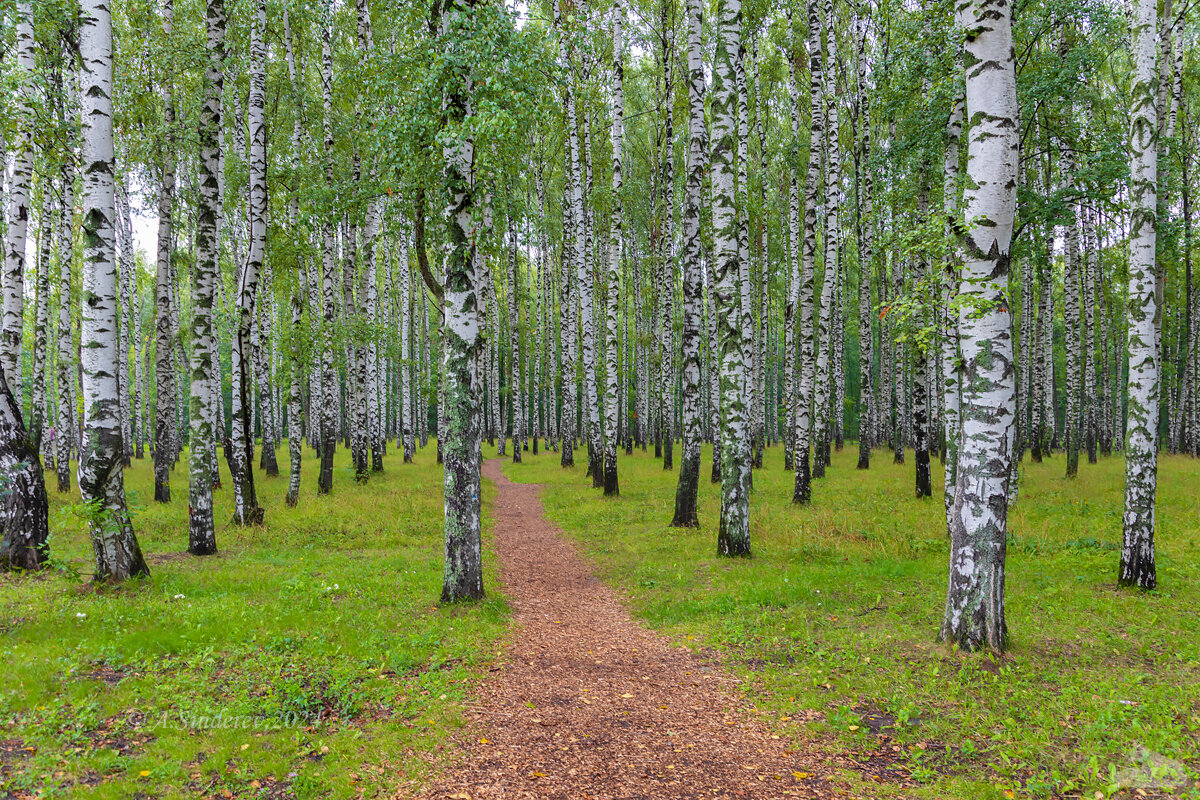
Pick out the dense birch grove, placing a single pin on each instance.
(956, 231)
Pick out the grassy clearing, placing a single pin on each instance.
(833, 621)
(308, 659)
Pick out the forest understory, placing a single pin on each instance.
(318, 631)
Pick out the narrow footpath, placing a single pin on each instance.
(590, 704)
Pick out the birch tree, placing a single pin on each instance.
(204, 374)
(613, 277)
(24, 506)
(101, 481)
(733, 538)
(12, 323)
(1142, 310)
(974, 613)
(693, 274)
(329, 388)
(164, 406)
(463, 575)
(65, 365)
(950, 355)
(246, 510)
(802, 492)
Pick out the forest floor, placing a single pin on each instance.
(588, 703)
(310, 659)
(830, 627)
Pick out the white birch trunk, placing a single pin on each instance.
(101, 481)
(463, 576)
(733, 538)
(693, 275)
(246, 510)
(974, 612)
(801, 456)
(65, 433)
(12, 322)
(1142, 311)
(950, 354)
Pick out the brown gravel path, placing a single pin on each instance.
(589, 704)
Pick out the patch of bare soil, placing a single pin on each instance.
(590, 704)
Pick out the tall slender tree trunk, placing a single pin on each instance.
(571, 254)
(101, 481)
(205, 363)
(1142, 310)
(791, 319)
(164, 372)
(126, 289)
(745, 266)
(733, 538)
(866, 256)
(463, 576)
(1074, 337)
(12, 326)
(826, 331)
(329, 380)
(899, 370)
(952, 375)
(802, 491)
(714, 371)
(514, 340)
(666, 291)
(1088, 299)
(65, 367)
(263, 338)
(760, 393)
(693, 275)
(37, 398)
(974, 613)
(246, 510)
(407, 306)
(613, 279)
(921, 404)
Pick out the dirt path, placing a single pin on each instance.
(590, 704)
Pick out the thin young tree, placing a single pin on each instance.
(801, 457)
(296, 296)
(693, 275)
(246, 510)
(613, 276)
(863, 219)
(951, 361)
(329, 384)
(164, 406)
(65, 367)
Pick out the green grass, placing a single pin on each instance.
(833, 622)
(320, 631)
